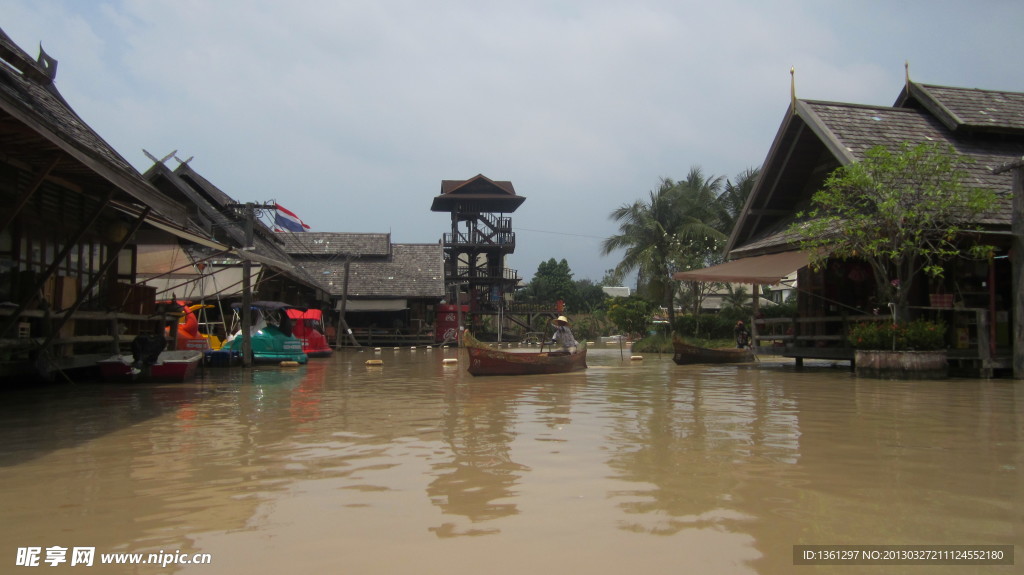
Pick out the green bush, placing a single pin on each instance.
(918, 335)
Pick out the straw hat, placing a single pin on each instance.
(561, 320)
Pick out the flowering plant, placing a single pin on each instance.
(917, 335)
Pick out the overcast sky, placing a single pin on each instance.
(350, 113)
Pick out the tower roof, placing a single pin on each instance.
(478, 193)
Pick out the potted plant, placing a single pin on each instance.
(900, 350)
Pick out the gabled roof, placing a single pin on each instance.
(411, 271)
(967, 109)
(816, 137)
(39, 128)
(482, 193)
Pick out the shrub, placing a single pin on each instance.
(918, 335)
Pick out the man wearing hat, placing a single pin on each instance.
(563, 334)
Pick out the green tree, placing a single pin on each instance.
(902, 211)
(589, 297)
(552, 282)
(729, 204)
(662, 234)
(631, 315)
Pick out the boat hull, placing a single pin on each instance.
(171, 367)
(485, 360)
(270, 345)
(686, 354)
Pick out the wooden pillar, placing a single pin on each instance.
(250, 215)
(756, 308)
(1017, 263)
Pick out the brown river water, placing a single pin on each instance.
(417, 467)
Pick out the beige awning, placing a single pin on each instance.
(769, 269)
(374, 305)
(217, 282)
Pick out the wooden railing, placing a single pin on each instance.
(826, 337)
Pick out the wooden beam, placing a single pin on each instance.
(1017, 262)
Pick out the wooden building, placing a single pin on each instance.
(817, 137)
(385, 293)
(196, 272)
(68, 238)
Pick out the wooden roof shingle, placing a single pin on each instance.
(409, 271)
(816, 137)
(364, 245)
(481, 192)
(967, 109)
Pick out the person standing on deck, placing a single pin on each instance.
(742, 335)
(563, 334)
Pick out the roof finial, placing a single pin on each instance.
(47, 63)
(792, 87)
(906, 71)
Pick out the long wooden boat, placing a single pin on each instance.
(173, 366)
(686, 354)
(486, 360)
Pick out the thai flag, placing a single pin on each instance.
(287, 220)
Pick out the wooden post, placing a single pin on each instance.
(756, 289)
(343, 323)
(249, 210)
(250, 215)
(1017, 263)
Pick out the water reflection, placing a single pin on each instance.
(627, 466)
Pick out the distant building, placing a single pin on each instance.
(389, 292)
(619, 291)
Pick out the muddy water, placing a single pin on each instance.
(417, 467)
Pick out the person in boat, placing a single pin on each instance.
(563, 335)
(742, 335)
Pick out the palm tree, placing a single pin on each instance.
(673, 225)
(729, 204)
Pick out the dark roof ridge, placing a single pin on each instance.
(861, 106)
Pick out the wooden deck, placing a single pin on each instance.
(970, 352)
(84, 338)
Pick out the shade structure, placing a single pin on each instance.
(374, 305)
(768, 269)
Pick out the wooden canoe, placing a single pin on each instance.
(486, 360)
(686, 354)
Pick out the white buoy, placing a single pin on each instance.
(449, 361)
(375, 362)
(636, 358)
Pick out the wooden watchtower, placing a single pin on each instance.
(480, 238)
